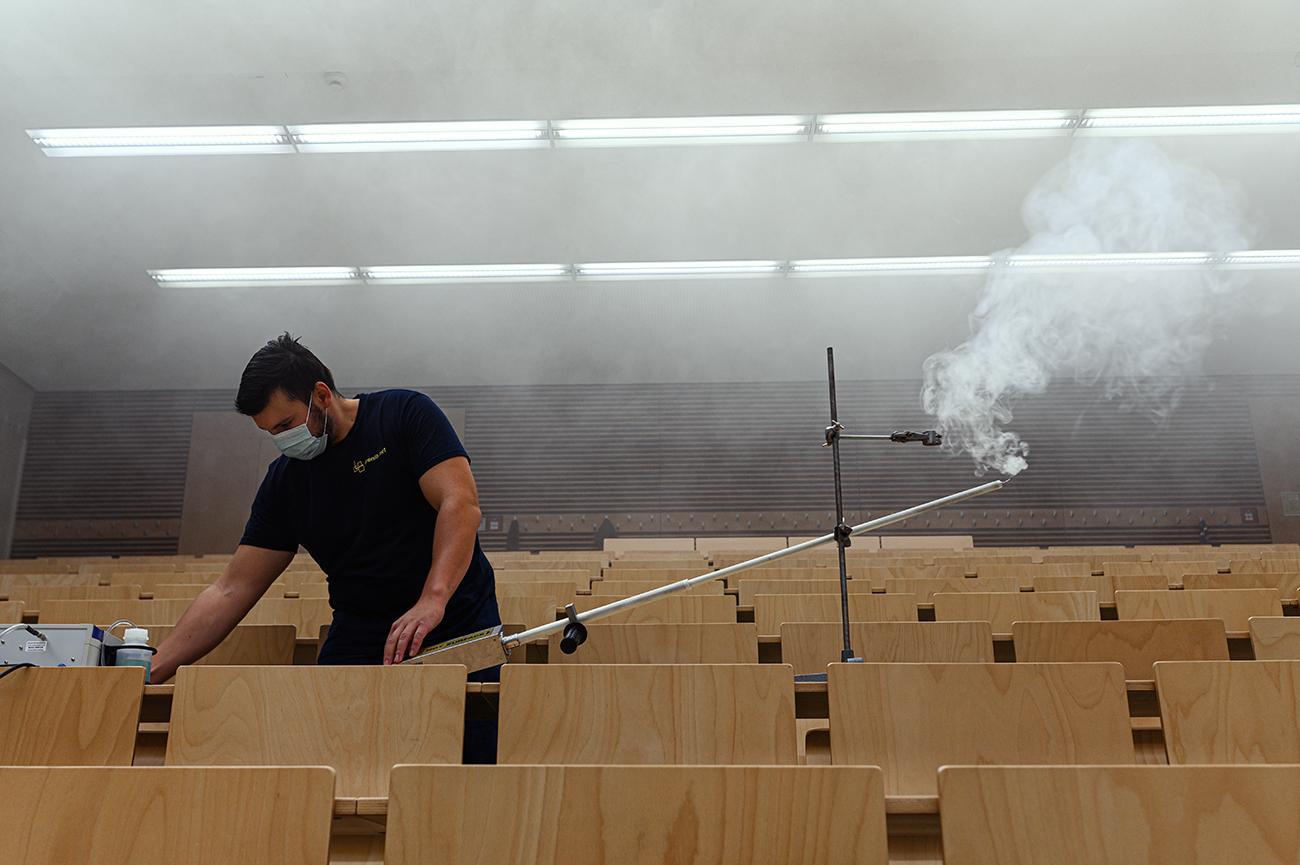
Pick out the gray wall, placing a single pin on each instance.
(15, 414)
(107, 471)
(1276, 421)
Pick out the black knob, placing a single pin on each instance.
(575, 634)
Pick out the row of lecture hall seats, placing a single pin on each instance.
(908, 718)
(656, 763)
(651, 815)
(999, 586)
(1085, 662)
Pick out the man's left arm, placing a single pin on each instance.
(449, 487)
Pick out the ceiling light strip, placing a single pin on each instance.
(950, 265)
(458, 135)
(440, 273)
(163, 140)
(676, 269)
(216, 277)
(627, 132)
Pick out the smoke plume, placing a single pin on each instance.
(1134, 334)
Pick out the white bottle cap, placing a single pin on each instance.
(136, 636)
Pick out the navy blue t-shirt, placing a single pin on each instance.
(358, 509)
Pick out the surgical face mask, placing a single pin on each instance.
(298, 443)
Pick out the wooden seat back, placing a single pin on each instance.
(305, 614)
(1135, 644)
(560, 590)
(1024, 575)
(880, 575)
(926, 588)
(532, 610)
(625, 588)
(579, 579)
(672, 609)
(188, 591)
(1102, 586)
(810, 647)
(772, 611)
(641, 546)
(1172, 570)
(926, 542)
(910, 719)
(647, 714)
(688, 643)
(68, 611)
(1138, 583)
(753, 546)
(245, 646)
(782, 571)
(1095, 815)
(638, 815)
(1287, 583)
(970, 561)
(157, 816)
(361, 721)
(751, 586)
(658, 575)
(1000, 609)
(34, 596)
(1275, 638)
(1279, 564)
(69, 716)
(1230, 711)
(1233, 606)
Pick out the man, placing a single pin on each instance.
(379, 490)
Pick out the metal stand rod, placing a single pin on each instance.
(510, 641)
(842, 531)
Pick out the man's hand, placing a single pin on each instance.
(408, 632)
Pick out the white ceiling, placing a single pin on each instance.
(77, 235)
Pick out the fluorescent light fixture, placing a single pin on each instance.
(1104, 260)
(682, 130)
(1201, 120)
(676, 269)
(626, 132)
(453, 135)
(880, 266)
(439, 273)
(162, 140)
(239, 277)
(944, 124)
(935, 265)
(1261, 259)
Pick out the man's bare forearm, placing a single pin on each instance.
(218, 608)
(453, 547)
(449, 489)
(207, 622)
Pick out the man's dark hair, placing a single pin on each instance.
(285, 364)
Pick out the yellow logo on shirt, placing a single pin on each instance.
(359, 466)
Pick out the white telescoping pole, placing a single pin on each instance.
(510, 641)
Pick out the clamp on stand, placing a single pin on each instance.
(575, 632)
(929, 438)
